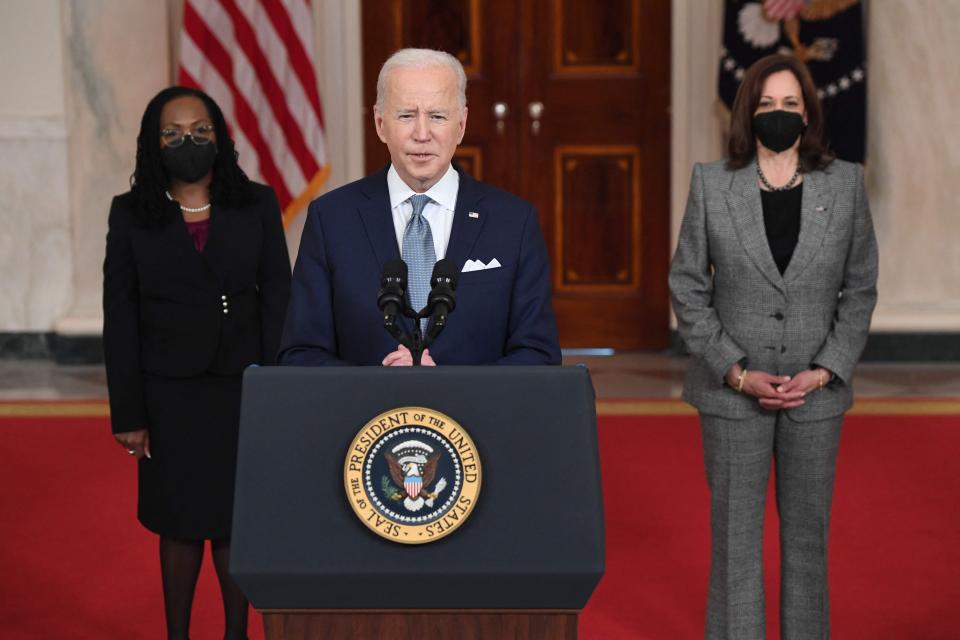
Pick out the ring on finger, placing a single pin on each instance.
(132, 452)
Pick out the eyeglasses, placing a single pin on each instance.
(200, 135)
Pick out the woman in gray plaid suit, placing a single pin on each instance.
(773, 283)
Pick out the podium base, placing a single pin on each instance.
(416, 624)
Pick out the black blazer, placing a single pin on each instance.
(171, 311)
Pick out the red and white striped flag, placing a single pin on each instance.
(255, 59)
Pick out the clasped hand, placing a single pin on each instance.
(777, 392)
(402, 357)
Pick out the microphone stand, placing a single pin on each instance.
(418, 342)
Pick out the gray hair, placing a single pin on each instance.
(421, 59)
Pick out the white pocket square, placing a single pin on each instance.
(477, 265)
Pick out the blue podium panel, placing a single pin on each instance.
(535, 539)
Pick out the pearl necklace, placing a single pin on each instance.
(770, 187)
(188, 209)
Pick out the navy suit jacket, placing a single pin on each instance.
(503, 315)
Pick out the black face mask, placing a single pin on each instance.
(189, 162)
(778, 130)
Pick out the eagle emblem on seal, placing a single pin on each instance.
(413, 467)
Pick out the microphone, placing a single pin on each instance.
(442, 300)
(390, 298)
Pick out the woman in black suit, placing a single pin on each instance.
(195, 287)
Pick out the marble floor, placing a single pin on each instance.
(621, 376)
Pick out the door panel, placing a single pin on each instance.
(596, 218)
(595, 37)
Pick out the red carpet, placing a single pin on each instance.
(75, 564)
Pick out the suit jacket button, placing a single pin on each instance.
(223, 297)
(783, 348)
(777, 315)
(225, 311)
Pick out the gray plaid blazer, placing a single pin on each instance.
(733, 305)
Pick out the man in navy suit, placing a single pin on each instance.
(503, 310)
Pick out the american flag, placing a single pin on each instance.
(255, 59)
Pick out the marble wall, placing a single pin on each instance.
(913, 164)
(35, 250)
(83, 71)
(116, 58)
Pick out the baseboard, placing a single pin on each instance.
(62, 349)
(885, 347)
(26, 345)
(77, 349)
(912, 347)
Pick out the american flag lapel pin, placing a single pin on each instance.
(473, 214)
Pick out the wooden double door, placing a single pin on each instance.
(569, 108)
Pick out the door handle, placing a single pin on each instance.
(536, 112)
(500, 111)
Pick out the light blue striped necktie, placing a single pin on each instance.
(419, 254)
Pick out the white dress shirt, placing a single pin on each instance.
(438, 212)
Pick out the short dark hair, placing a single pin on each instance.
(230, 185)
(742, 146)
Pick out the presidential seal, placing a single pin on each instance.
(412, 475)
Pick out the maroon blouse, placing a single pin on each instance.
(199, 232)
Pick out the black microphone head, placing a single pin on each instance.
(395, 271)
(445, 272)
(393, 284)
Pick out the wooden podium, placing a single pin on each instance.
(521, 567)
(415, 625)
